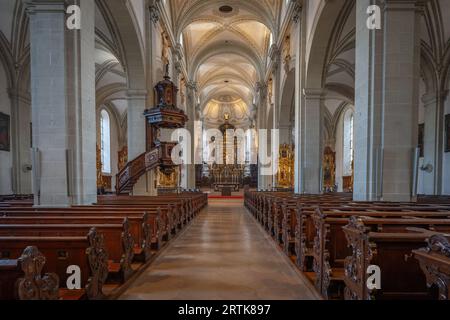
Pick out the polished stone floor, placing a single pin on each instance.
(224, 255)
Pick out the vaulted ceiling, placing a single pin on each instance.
(226, 46)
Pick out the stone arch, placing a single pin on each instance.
(322, 30)
(287, 103)
(7, 60)
(130, 44)
(428, 71)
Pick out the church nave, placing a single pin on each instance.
(223, 255)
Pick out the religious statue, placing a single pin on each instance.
(287, 52)
(99, 167)
(123, 158)
(270, 91)
(182, 92)
(165, 48)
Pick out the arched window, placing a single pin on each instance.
(105, 137)
(248, 145)
(348, 142)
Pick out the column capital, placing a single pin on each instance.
(261, 89)
(297, 11)
(431, 98)
(178, 67)
(274, 53)
(404, 5)
(192, 85)
(154, 11)
(137, 94)
(313, 93)
(44, 6)
(22, 96)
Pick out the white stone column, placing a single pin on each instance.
(137, 102)
(262, 106)
(387, 97)
(188, 180)
(49, 105)
(63, 104)
(276, 77)
(300, 48)
(310, 141)
(80, 48)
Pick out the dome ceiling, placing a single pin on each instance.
(231, 107)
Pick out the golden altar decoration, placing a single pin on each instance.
(329, 169)
(167, 179)
(123, 158)
(285, 175)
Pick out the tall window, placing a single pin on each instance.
(352, 151)
(348, 142)
(105, 136)
(182, 40)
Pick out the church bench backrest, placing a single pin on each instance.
(145, 229)
(118, 240)
(330, 251)
(434, 260)
(87, 252)
(392, 252)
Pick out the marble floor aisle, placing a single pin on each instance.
(224, 255)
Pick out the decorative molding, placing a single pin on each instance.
(55, 6)
(136, 94)
(313, 94)
(154, 11)
(297, 12)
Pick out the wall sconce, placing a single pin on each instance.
(428, 168)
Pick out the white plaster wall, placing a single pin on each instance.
(5, 157)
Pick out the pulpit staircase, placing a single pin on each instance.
(159, 154)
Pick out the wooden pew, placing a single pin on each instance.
(330, 248)
(434, 260)
(22, 279)
(142, 228)
(118, 242)
(87, 252)
(389, 248)
(296, 229)
(160, 223)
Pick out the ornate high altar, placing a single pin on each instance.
(230, 174)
